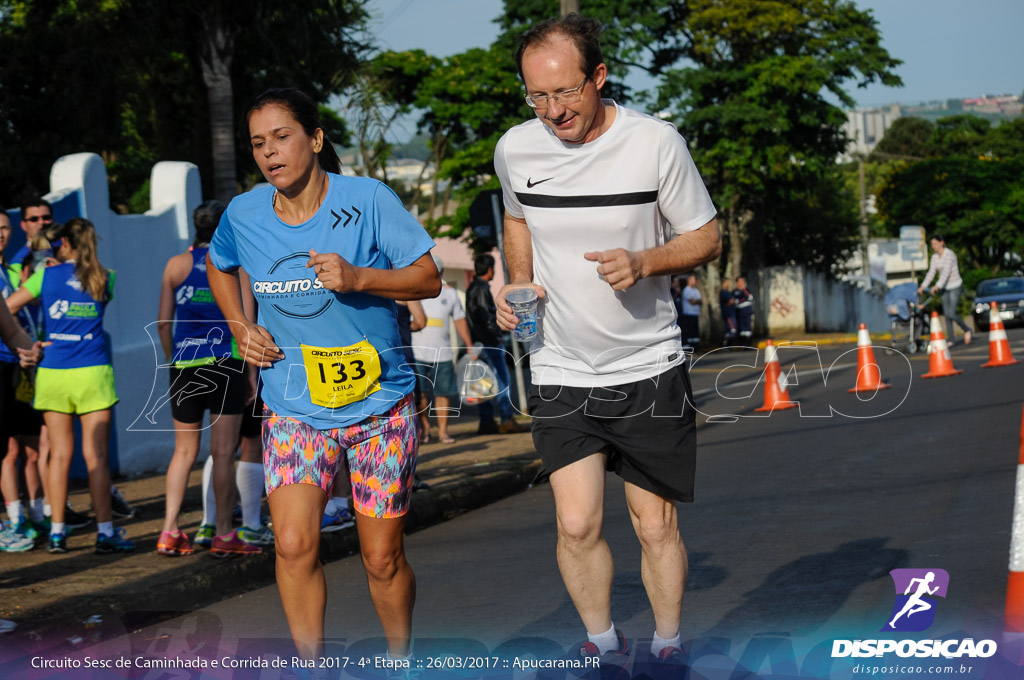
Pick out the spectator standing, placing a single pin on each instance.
(944, 265)
(744, 304)
(435, 356)
(199, 347)
(691, 312)
(727, 308)
(75, 377)
(483, 329)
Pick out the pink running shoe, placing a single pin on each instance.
(231, 545)
(173, 544)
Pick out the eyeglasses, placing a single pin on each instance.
(572, 96)
(36, 218)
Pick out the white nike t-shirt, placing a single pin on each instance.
(634, 187)
(433, 343)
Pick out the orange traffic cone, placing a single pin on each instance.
(776, 396)
(998, 344)
(939, 362)
(869, 378)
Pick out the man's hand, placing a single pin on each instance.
(32, 356)
(256, 345)
(620, 268)
(333, 271)
(506, 319)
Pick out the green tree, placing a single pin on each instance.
(143, 81)
(961, 135)
(636, 35)
(908, 138)
(468, 101)
(754, 109)
(383, 91)
(977, 204)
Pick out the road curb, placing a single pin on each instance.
(838, 340)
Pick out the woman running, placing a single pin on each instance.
(201, 351)
(75, 376)
(327, 256)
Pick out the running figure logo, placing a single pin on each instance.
(916, 589)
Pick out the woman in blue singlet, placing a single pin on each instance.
(200, 351)
(327, 256)
(75, 377)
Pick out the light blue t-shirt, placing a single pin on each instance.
(362, 220)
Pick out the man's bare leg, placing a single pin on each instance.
(584, 558)
(663, 563)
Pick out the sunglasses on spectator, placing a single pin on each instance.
(36, 218)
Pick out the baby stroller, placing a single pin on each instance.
(908, 319)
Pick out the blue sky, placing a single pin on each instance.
(950, 48)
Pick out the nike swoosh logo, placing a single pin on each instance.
(531, 184)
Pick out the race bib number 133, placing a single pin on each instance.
(338, 376)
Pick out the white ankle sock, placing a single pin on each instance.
(209, 501)
(105, 528)
(249, 479)
(14, 511)
(659, 643)
(607, 641)
(56, 528)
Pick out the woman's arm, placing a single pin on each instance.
(165, 311)
(418, 281)
(19, 299)
(255, 344)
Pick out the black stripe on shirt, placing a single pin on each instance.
(598, 201)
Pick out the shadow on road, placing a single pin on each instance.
(809, 590)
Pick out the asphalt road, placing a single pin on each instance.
(799, 517)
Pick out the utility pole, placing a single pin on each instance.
(863, 216)
(569, 6)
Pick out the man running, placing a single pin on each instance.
(593, 192)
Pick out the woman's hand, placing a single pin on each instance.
(334, 271)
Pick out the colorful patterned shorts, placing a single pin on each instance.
(381, 457)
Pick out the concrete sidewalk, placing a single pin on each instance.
(54, 595)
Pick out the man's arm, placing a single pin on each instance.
(622, 268)
(519, 258)
(462, 330)
(419, 317)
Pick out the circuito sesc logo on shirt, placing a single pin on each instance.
(293, 289)
(916, 590)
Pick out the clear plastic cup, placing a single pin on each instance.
(523, 302)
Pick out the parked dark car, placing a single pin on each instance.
(1008, 293)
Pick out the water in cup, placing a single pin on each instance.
(523, 302)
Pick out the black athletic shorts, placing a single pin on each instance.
(647, 429)
(16, 417)
(218, 388)
(252, 419)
